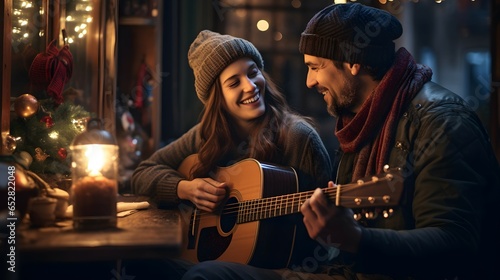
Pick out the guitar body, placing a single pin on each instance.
(266, 243)
(252, 226)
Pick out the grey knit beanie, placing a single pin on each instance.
(211, 52)
(352, 33)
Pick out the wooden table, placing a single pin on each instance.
(148, 233)
(60, 252)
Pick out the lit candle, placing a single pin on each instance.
(95, 185)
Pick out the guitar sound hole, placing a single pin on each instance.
(229, 215)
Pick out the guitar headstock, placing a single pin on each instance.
(381, 190)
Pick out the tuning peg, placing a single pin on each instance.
(371, 215)
(387, 213)
(386, 168)
(357, 216)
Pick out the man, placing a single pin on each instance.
(389, 112)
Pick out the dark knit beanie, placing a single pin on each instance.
(211, 52)
(352, 33)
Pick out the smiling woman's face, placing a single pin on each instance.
(243, 88)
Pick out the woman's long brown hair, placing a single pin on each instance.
(217, 133)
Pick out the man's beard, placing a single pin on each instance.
(339, 107)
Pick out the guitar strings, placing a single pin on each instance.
(263, 204)
(257, 207)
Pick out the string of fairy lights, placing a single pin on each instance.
(79, 19)
(26, 21)
(22, 31)
(25, 14)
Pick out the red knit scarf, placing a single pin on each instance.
(371, 132)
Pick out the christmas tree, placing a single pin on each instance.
(43, 131)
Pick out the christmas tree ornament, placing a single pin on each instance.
(26, 105)
(80, 124)
(10, 143)
(49, 122)
(62, 153)
(40, 155)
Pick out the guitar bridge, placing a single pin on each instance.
(193, 229)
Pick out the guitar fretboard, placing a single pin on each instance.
(264, 208)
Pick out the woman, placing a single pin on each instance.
(245, 116)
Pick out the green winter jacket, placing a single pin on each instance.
(446, 226)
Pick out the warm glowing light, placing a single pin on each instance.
(79, 124)
(95, 157)
(26, 4)
(54, 135)
(263, 25)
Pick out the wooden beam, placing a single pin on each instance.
(5, 48)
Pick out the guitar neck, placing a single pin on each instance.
(380, 191)
(264, 208)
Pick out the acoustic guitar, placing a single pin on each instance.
(250, 227)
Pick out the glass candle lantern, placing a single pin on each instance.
(94, 170)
